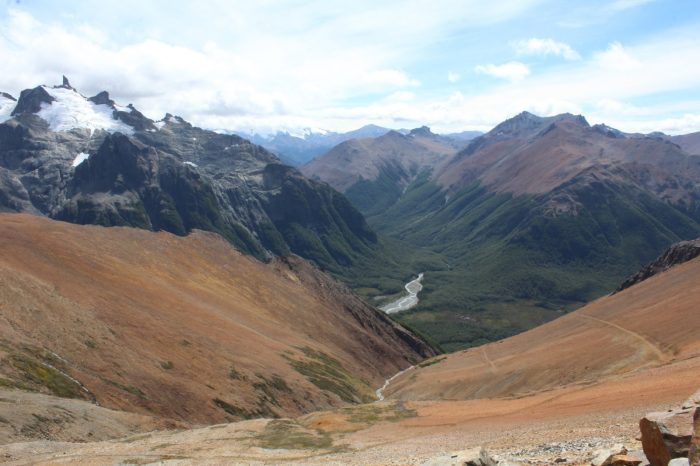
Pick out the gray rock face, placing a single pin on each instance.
(173, 176)
(30, 100)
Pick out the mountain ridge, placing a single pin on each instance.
(505, 224)
(168, 175)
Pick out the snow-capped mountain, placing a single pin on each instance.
(7, 104)
(297, 147)
(90, 160)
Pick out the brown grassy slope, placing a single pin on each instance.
(160, 324)
(30, 416)
(654, 323)
(358, 159)
(688, 142)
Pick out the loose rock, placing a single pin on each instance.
(694, 454)
(604, 457)
(666, 436)
(472, 457)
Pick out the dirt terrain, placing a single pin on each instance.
(651, 324)
(561, 391)
(183, 329)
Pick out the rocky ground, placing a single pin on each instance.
(388, 433)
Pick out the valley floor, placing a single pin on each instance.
(569, 423)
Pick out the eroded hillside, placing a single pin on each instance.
(183, 328)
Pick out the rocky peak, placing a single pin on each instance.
(65, 84)
(30, 100)
(391, 135)
(102, 99)
(522, 122)
(608, 131)
(423, 131)
(135, 119)
(577, 119)
(675, 255)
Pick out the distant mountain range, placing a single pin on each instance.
(301, 147)
(90, 160)
(511, 228)
(535, 217)
(374, 172)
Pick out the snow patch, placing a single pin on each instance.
(191, 164)
(71, 110)
(6, 107)
(159, 124)
(304, 133)
(80, 158)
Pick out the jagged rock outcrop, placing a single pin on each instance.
(115, 166)
(694, 454)
(677, 254)
(667, 435)
(30, 100)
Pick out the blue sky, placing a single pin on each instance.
(453, 65)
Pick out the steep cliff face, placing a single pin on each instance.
(89, 160)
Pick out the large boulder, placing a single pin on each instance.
(694, 454)
(666, 436)
(616, 456)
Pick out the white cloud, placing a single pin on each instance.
(323, 64)
(621, 5)
(616, 57)
(258, 64)
(453, 77)
(537, 46)
(513, 70)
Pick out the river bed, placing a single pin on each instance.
(407, 301)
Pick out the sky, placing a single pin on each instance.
(453, 65)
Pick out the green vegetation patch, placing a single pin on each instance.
(127, 388)
(375, 413)
(42, 374)
(233, 410)
(288, 434)
(167, 365)
(269, 388)
(329, 375)
(430, 362)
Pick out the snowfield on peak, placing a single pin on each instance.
(80, 158)
(6, 107)
(71, 110)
